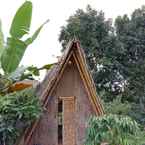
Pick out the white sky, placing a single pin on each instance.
(45, 49)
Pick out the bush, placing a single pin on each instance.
(114, 130)
(17, 111)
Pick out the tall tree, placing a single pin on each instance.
(99, 43)
(131, 34)
(115, 54)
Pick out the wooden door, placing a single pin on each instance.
(68, 120)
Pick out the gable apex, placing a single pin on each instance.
(53, 76)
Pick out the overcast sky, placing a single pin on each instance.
(45, 49)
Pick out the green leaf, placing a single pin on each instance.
(47, 66)
(1, 40)
(22, 20)
(17, 111)
(4, 84)
(12, 55)
(35, 35)
(16, 75)
(15, 48)
(34, 70)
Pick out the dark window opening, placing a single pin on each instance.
(60, 122)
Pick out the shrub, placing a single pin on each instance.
(17, 111)
(114, 130)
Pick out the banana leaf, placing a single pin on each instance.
(15, 47)
(35, 35)
(12, 54)
(22, 20)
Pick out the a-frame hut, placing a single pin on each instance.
(69, 98)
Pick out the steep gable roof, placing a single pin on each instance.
(53, 76)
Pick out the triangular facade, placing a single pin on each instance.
(69, 98)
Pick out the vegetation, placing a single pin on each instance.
(19, 105)
(98, 41)
(15, 47)
(117, 107)
(114, 130)
(115, 54)
(116, 58)
(17, 111)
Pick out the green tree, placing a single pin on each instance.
(131, 34)
(99, 43)
(115, 54)
(118, 107)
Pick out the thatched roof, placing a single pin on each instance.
(52, 75)
(46, 87)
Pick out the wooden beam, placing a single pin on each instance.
(67, 98)
(89, 80)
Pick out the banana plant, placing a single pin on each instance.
(19, 105)
(12, 52)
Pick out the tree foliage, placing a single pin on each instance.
(114, 130)
(99, 43)
(117, 107)
(115, 54)
(131, 34)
